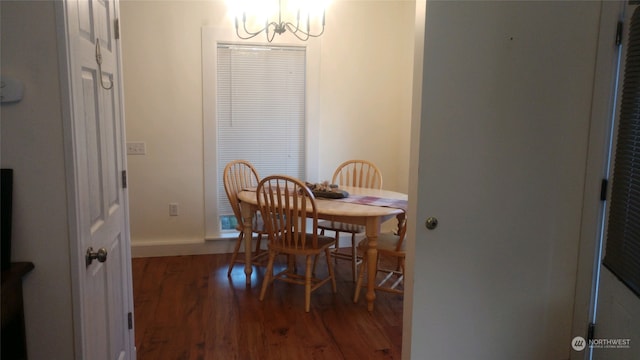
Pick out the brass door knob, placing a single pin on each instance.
(100, 255)
(431, 223)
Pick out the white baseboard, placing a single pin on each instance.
(177, 247)
(155, 248)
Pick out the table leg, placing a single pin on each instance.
(247, 217)
(373, 229)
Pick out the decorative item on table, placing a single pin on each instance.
(326, 190)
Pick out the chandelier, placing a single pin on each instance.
(302, 18)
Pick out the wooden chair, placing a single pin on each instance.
(285, 204)
(390, 245)
(358, 173)
(239, 175)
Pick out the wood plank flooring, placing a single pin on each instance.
(187, 308)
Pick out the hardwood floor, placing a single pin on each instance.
(187, 308)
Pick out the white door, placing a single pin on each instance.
(616, 335)
(503, 129)
(104, 284)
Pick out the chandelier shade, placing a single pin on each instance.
(302, 18)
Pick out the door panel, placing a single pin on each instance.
(102, 210)
(92, 126)
(506, 98)
(85, 19)
(111, 130)
(96, 286)
(103, 20)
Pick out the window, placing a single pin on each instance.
(256, 101)
(260, 112)
(622, 254)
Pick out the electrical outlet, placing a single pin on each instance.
(173, 209)
(136, 148)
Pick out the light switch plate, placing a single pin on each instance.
(136, 148)
(173, 209)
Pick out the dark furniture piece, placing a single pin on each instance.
(14, 344)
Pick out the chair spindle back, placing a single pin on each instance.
(238, 175)
(358, 173)
(285, 204)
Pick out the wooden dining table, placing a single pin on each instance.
(366, 207)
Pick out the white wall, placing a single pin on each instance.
(32, 144)
(365, 100)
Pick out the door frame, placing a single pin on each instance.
(601, 139)
(75, 199)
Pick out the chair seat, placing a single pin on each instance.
(394, 280)
(323, 242)
(389, 245)
(352, 229)
(341, 227)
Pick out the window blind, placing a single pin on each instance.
(622, 252)
(260, 110)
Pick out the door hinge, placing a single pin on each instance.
(116, 28)
(603, 189)
(124, 179)
(130, 320)
(591, 332)
(619, 33)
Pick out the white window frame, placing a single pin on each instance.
(211, 37)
